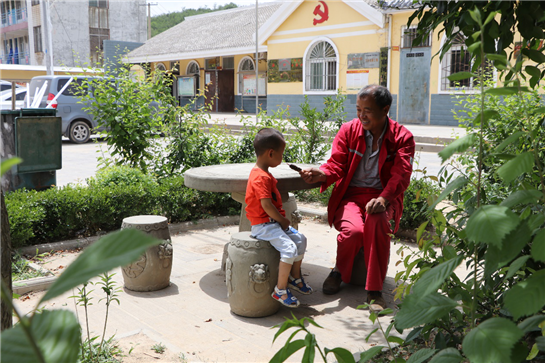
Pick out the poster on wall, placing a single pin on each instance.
(356, 79)
(285, 70)
(248, 84)
(186, 86)
(363, 60)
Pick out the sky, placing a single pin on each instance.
(167, 6)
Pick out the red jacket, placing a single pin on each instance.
(394, 164)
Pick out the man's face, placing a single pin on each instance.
(371, 116)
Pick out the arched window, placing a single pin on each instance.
(192, 68)
(321, 67)
(161, 67)
(246, 66)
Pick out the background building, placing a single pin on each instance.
(77, 28)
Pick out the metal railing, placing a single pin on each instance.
(15, 58)
(14, 16)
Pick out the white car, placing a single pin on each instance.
(5, 98)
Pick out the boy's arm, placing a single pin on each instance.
(271, 210)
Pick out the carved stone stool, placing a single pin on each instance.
(152, 270)
(251, 275)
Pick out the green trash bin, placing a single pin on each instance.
(34, 135)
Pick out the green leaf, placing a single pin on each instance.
(461, 76)
(535, 55)
(522, 197)
(476, 15)
(454, 185)
(370, 334)
(533, 71)
(540, 341)
(370, 353)
(448, 355)
(490, 224)
(538, 246)
(497, 57)
(114, 250)
(285, 352)
(416, 311)
(516, 265)
(504, 91)
(527, 297)
(421, 355)
(531, 323)
(310, 350)
(498, 256)
(415, 333)
(394, 339)
(57, 333)
(484, 116)
(457, 146)
(473, 47)
(509, 141)
(342, 355)
(8, 164)
(432, 279)
(491, 341)
(522, 163)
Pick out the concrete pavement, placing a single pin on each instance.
(192, 316)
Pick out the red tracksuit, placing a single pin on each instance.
(346, 209)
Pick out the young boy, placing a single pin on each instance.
(268, 219)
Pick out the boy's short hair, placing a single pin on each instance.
(267, 139)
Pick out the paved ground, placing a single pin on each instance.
(193, 316)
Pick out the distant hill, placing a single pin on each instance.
(160, 23)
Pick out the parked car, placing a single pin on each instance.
(5, 98)
(5, 85)
(77, 124)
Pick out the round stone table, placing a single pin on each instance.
(232, 178)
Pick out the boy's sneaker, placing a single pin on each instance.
(293, 283)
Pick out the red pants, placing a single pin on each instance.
(357, 229)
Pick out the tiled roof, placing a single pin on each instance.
(391, 4)
(227, 29)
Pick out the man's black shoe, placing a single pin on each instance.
(332, 283)
(378, 304)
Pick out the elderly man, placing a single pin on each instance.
(371, 166)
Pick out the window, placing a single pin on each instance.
(457, 59)
(409, 35)
(193, 68)
(211, 64)
(321, 68)
(35, 2)
(228, 62)
(160, 67)
(98, 3)
(245, 67)
(72, 89)
(38, 39)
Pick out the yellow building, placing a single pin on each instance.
(309, 48)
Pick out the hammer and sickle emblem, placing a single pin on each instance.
(324, 15)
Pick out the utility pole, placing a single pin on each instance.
(46, 33)
(256, 61)
(149, 18)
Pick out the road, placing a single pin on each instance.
(79, 161)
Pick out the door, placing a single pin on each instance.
(226, 91)
(210, 91)
(414, 85)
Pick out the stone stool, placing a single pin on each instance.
(251, 275)
(152, 270)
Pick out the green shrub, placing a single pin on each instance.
(79, 211)
(418, 197)
(120, 175)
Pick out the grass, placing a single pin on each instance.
(21, 269)
(158, 348)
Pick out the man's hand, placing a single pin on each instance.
(313, 175)
(376, 205)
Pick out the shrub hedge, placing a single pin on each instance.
(79, 211)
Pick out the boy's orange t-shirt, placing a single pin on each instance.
(261, 185)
